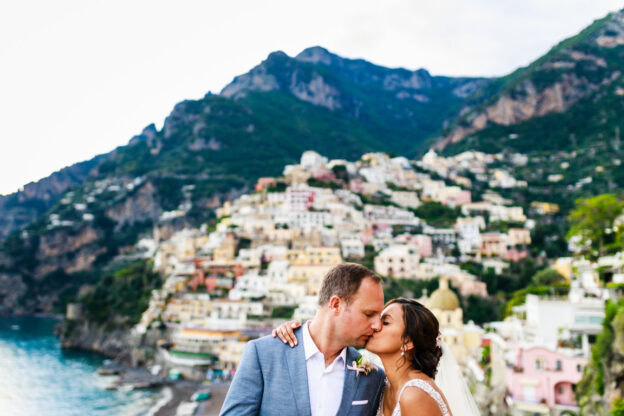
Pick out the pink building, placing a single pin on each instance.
(469, 287)
(513, 254)
(423, 242)
(541, 375)
(494, 244)
(264, 183)
(300, 199)
(323, 174)
(460, 198)
(356, 185)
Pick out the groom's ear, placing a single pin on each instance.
(334, 303)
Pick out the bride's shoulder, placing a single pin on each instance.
(416, 398)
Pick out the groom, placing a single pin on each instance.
(274, 379)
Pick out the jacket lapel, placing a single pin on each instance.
(351, 383)
(298, 372)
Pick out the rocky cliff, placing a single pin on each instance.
(603, 377)
(578, 67)
(119, 343)
(19, 209)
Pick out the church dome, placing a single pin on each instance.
(444, 298)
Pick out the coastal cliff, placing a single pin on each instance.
(121, 344)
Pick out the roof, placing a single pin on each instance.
(444, 298)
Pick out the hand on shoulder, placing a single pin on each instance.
(416, 402)
(286, 332)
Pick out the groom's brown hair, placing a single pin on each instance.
(344, 280)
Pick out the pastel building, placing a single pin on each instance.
(399, 261)
(542, 381)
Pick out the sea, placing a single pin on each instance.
(39, 378)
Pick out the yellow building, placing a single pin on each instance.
(563, 266)
(309, 275)
(327, 256)
(545, 207)
(461, 339)
(226, 251)
(309, 239)
(297, 175)
(519, 236)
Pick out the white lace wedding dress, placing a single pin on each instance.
(424, 386)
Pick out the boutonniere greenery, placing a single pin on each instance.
(361, 365)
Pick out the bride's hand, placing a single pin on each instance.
(285, 332)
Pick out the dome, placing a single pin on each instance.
(444, 298)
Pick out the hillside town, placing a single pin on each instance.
(262, 260)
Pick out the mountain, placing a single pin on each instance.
(25, 206)
(563, 112)
(209, 150)
(573, 90)
(62, 233)
(265, 119)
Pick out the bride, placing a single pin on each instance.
(410, 350)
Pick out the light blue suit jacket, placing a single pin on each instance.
(272, 380)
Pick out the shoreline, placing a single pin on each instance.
(172, 393)
(167, 394)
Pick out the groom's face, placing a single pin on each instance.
(360, 319)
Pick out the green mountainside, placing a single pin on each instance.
(584, 67)
(563, 111)
(263, 120)
(209, 150)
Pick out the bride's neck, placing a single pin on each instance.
(398, 370)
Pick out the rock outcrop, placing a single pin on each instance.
(21, 208)
(119, 343)
(575, 69)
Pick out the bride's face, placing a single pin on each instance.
(390, 339)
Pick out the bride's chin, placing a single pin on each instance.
(371, 347)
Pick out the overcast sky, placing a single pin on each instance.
(78, 78)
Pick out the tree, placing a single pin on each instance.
(547, 277)
(593, 220)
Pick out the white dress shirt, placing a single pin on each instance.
(324, 384)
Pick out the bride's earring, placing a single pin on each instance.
(402, 351)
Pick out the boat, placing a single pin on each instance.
(200, 395)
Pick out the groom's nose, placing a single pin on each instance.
(376, 325)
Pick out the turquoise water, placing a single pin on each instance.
(38, 378)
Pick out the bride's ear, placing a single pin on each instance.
(409, 345)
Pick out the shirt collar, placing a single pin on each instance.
(311, 349)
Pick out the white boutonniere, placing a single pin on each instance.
(361, 365)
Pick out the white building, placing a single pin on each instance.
(248, 286)
(399, 261)
(552, 319)
(311, 159)
(352, 247)
(306, 309)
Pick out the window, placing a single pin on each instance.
(559, 365)
(579, 368)
(560, 390)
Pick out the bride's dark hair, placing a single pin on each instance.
(422, 329)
